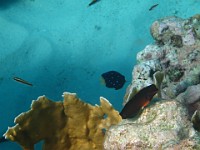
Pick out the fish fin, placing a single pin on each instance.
(146, 103)
(132, 94)
(3, 139)
(102, 81)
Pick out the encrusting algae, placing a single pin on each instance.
(68, 125)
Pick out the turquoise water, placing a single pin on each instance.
(63, 45)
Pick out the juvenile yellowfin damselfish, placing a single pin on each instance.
(113, 79)
(22, 81)
(138, 102)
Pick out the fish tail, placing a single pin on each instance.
(3, 139)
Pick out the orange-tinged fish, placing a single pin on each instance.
(22, 81)
(138, 101)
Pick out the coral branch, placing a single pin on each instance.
(68, 125)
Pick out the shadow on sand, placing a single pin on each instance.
(4, 4)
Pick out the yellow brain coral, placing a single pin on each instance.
(68, 125)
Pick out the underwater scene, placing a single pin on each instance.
(99, 74)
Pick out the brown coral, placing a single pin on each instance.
(68, 125)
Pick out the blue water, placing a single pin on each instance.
(63, 45)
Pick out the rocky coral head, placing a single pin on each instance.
(164, 125)
(176, 41)
(175, 72)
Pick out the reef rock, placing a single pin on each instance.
(172, 123)
(163, 125)
(191, 98)
(176, 53)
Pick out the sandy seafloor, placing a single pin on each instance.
(63, 45)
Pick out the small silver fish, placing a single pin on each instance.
(22, 81)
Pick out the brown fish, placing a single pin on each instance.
(138, 101)
(22, 81)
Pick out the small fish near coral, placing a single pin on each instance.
(138, 101)
(93, 2)
(113, 79)
(2, 139)
(22, 81)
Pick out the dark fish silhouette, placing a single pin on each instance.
(93, 2)
(113, 79)
(22, 81)
(2, 139)
(138, 101)
(152, 7)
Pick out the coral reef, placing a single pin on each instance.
(190, 98)
(196, 120)
(196, 21)
(192, 94)
(163, 125)
(176, 52)
(173, 64)
(68, 125)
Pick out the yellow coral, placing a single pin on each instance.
(68, 125)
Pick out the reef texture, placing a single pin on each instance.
(191, 99)
(173, 64)
(176, 53)
(163, 125)
(65, 125)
